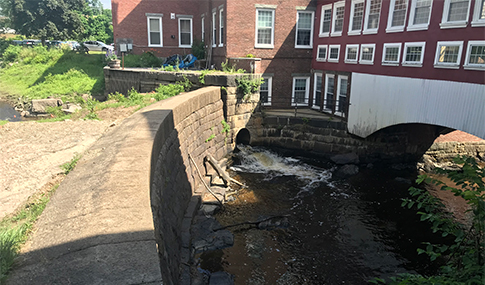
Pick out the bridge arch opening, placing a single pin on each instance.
(243, 137)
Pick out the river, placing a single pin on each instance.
(7, 113)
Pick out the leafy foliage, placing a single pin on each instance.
(246, 85)
(198, 49)
(96, 23)
(69, 166)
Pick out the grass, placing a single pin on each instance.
(2, 122)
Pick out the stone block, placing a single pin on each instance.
(40, 106)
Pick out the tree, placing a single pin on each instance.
(97, 26)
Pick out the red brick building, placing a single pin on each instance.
(271, 37)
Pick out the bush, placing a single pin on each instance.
(11, 54)
(198, 49)
(148, 59)
(167, 91)
(4, 44)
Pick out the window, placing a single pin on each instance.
(329, 93)
(334, 53)
(397, 16)
(265, 91)
(322, 53)
(356, 17)
(479, 14)
(341, 103)
(304, 30)
(420, 14)
(264, 28)
(301, 87)
(214, 30)
(367, 54)
(475, 55)
(351, 53)
(391, 54)
(221, 28)
(338, 18)
(325, 20)
(155, 31)
(448, 54)
(202, 35)
(372, 14)
(317, 91)
(185, 32)
(413, 54)
(455, 14)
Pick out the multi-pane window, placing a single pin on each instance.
(214, 29)
(448, 54)
(342, 95)
(475, 55)
(264, 28)
(300, 91)
(265, 91)
(304, 29)
(317, 93)
(413, 53)
(329, 93)
(479, 14)
(373, 12)
(325, 21)
(185, 32)
(391, 53)
(338, 18)
(221, 28)
(397, 15)
(420, 14)
(455, 13)
(154, 31)
(356, 17)
(322, 53)
(367, 53)
(333, 54)
(351, 53)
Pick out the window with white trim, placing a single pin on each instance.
(214, 29)
(342, 90)
(317, 91)
(367, 53)
(448, 54)
(397, 16)
(455, 14)
(338, 18)
(419, 15)
(264, 28)
(356, 17)
(325, 20)
(391, 53)
(301, 91)
(155, 38)
(185, 32)
(333, 54)
(372, 14)
(221, 28)
(265, 91)
(475, 55)
(304, 29)
(479, 14)
(351, 53)
(322, 53)
(413, 54)
(202, 25)
(328, 101)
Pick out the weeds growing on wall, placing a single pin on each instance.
(247, 85)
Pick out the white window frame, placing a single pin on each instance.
(347, 60)
(337, 94)
(477, 22)
(270, 87)
(351, 20)
(310, 45)
(362, 47)
(334, 18)
(317, 74)
(384, 49)
(307, 91)
(318, 53)
(412, 14)
(454, 65)
(191, 32)
(202, 25)
(473, 66)
(221, 27)
(214, 29)
(390, 28)
(368, 31)
(159, 18)
(256, 45)
(445, 24)
(324, 8)
(328, 77)
(413, 63)
(328, 53)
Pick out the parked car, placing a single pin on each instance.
(97, 46)
(30, 43)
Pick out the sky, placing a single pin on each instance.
(106, 4)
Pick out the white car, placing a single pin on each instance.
(97, 46)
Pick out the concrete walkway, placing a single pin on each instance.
(98, 227)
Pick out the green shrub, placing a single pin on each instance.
(11, 54)
(247, 85)
(148, 59)
(4, 44)
(198, 49)
(167, 91)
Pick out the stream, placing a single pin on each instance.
(7, 113)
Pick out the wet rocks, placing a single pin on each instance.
(348, 158)
(221, 278)
(346, 171)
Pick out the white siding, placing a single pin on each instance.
(379, 101)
